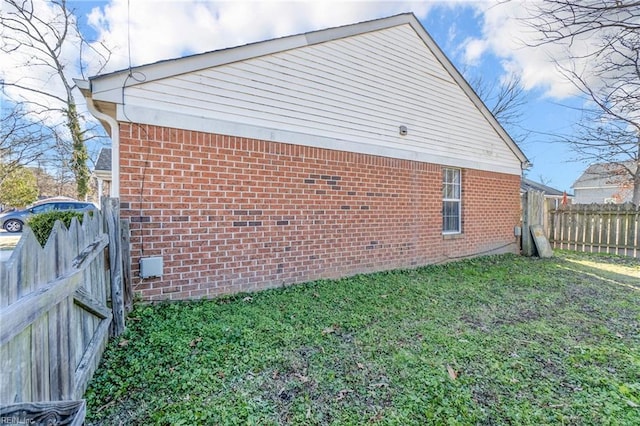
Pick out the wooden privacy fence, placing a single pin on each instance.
(57, 306)
(607, 228)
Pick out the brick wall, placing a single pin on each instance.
(229, 214)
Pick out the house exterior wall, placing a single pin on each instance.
(353, 92)
(599, 195)
(230, 214)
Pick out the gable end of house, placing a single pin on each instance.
(347, 88)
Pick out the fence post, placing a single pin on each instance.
(111, 214)
(125, 234)
(533, 214)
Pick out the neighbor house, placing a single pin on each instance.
(102, 171)
(605, 183)
(554, 198)
(326, 154)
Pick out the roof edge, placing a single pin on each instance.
(111, 84)
(166, 67)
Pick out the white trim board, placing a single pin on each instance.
(207, 125)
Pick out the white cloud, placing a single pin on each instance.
(159, 30)
(473, 50)
(154, 30)
(509, 33)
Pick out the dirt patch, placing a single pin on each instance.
(121, 412)
(318, 385)
(485, 397)
(489, 319)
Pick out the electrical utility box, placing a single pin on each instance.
(151, 267)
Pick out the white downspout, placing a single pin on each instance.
(115, 146)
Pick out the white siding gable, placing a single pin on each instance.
(349, 93)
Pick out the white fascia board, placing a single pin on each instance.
(176, 120)
(330, 34)
(83, 85)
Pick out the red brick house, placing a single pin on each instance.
(353, 149)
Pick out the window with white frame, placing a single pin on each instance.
(451, 201)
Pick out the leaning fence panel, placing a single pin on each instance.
(56, 313)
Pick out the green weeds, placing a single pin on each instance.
(494, 340)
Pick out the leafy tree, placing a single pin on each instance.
(19, 188)
(607, 74)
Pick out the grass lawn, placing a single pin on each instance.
(494, 340)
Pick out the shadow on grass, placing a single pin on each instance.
(620, 275)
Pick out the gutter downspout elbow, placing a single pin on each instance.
(115, 146)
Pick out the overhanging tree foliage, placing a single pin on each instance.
(51, 47)
(607, 72)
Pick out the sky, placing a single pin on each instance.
(482, 38)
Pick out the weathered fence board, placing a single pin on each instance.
(602, 228)
(532, 214)
(55, 314)
(127, 282)
(43, 333)
(111, 221)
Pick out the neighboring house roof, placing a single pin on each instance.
(527, 184)
(103, 164)
(349, 88)
(605, 175)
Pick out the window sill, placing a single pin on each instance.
(453, 236)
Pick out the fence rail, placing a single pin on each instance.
(57, 307)
(601, 228)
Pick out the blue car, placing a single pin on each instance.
(14, 221)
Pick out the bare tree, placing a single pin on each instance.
(505, 100)
(22, 140)
(607, 74)
(55, 183)
(45, 42)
